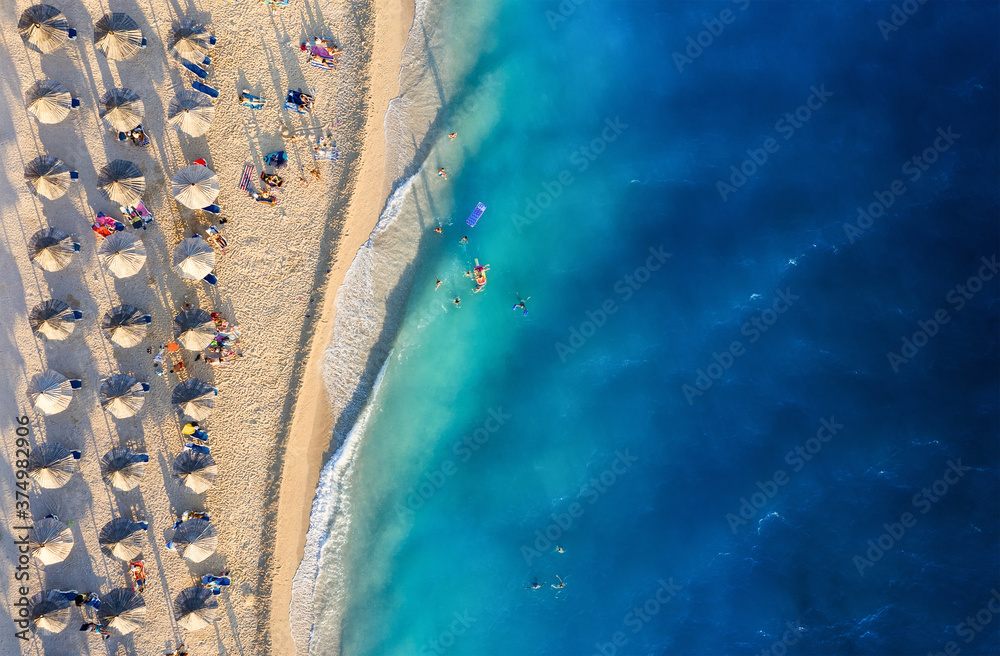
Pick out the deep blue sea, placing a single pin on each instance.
(755, 396)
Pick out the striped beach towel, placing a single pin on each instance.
(246, 177)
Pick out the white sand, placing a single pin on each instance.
(283, 263)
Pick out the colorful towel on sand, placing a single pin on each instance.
(246, 177)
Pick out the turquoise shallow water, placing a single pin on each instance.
(493, 436)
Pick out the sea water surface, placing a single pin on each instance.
(754, 398)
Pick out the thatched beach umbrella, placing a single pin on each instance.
(48, 176)
(50, 392)
(121, 109)
(194, 329)
(44, 27)
(195, 186)
(195, 608)
(52, 465)
(122, 610)
(195, 398)
(190, 41)
(51, 249)
(117, 36)
(191, 112)
(195, 540)
(123, 538)
(54, 319)
(122, 395)
(50, 541)
(123, 254)
(48, 101)
(126, 325)
(194, 258)
(49, 611)
(121, 182)
(123, 468)
(197, 471)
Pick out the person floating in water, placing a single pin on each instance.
(560, 549)
(442, 173)
(520, 304)
(438, 281)
(464, 240)
(457, 302)
(438, 230)
(452, 135)
(561, 584)
(534, 584)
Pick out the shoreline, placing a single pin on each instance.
(309, 439)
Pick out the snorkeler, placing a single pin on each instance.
(534, 584)
(457, 302)
(520, 304)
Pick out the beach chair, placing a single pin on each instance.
(251, 101)
(200, 162)
(210, 279)
(74, 175)
(71, 34)
(195, 68)
(143, 43)
(77, 315)
(205, 89)
(212, 41)
(74, 103)
(75, 383)
(248, 171)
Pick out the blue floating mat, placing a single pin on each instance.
(476, 213)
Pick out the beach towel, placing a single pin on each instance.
(147, 216)
(325, 64)
(276, 159)
(298, 102)
(251, 101)
(246, 177)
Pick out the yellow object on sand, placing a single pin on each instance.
(189, 429)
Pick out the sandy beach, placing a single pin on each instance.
(278, 279)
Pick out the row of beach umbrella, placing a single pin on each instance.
(122, 395)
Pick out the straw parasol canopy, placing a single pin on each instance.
(121, 182)
(122, 538)
(117, 36)
(50, 541)
(194, 329)
(197, 471)
(194, 258)
(195, 608)
(50, 392)
(121, 109)
(48, 176)
(51, 249)
(122, 610)
(48, 101)
(44, 27)
(53, 318)
(122, 468)
(122, 395)
(52, 465)
(191, 112)
(49, 610)
(123, 254)
(191, 41)
(126, 325)
(195, 186)
(195, 540)
(195, 398)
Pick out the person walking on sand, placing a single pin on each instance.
(442, 173)
(561, 584)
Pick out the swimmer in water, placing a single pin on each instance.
(457, 302)
(534, 584)
(561, 584)
(441, 173)
(438, 281)
(520, 304)
(452, 135)
(560, 549)
(463, 240)
(438, 230)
